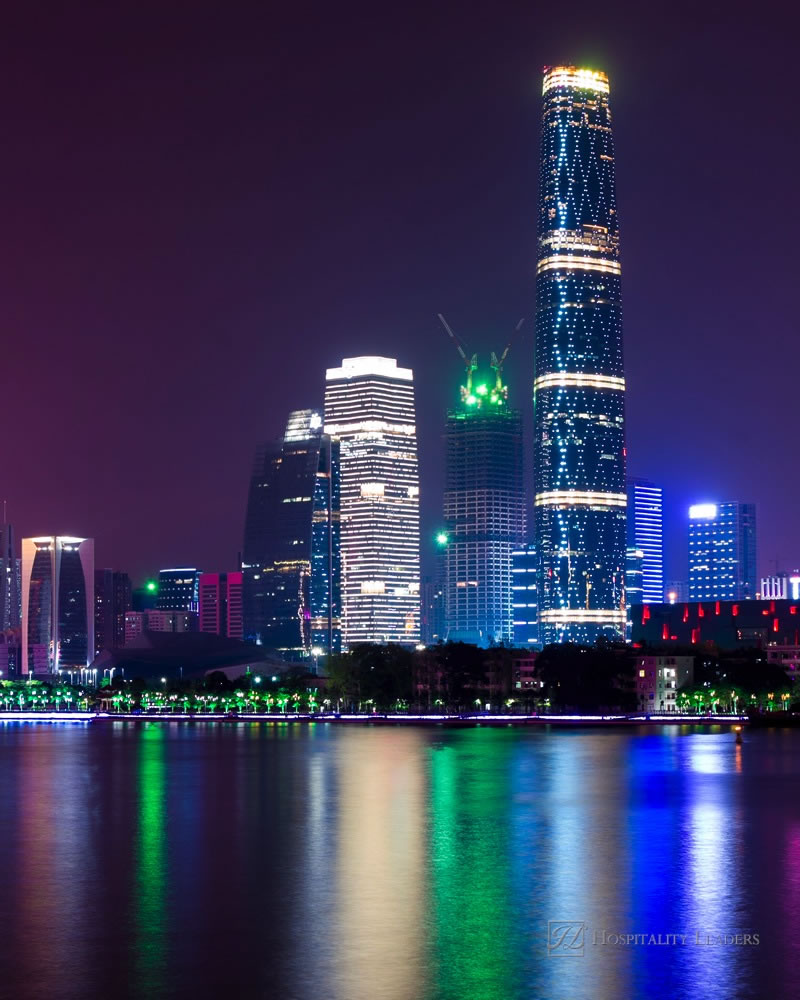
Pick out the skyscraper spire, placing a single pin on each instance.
(579, 383)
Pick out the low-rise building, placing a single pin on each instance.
(137, 622)
(659, 678)
(786, 657)
(723, 624)
(524, 671)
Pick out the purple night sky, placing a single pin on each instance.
(207, 204)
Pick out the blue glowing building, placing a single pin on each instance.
(722, 552)
(525, 577)
(484, 512)
(646, 533)
(579, 384)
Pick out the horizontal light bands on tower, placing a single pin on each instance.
(580, 498)
(591, 616)
(570, 76)
(369, 427)
(578, 379)
(567, 262)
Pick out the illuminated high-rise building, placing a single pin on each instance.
(579, 383)
(526, 580)
(484, 512)
(722, 552)
(57, 604)
(9, 580)
(646, 532)
(634, 574)
(178, 589)
(369, 408)
(291, 587)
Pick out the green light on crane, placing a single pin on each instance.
(441, 538)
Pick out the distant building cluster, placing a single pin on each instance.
(332, 550)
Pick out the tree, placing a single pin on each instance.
(587, 678)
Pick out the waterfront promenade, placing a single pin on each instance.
(376, 718)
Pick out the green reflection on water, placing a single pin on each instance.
(473, 937)
(150, 861)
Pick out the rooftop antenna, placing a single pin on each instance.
(469, 363)
(497, 363)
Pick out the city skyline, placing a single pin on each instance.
(411, 238)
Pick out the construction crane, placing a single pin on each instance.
(471, 364)
(497, 363)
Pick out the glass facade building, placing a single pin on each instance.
(634, 583)
(525, 575)
(646, 532)
(484, 514)
(112, 601)
(57, 604)
(291, 597)
(369, 408)
(178, 589)
(722, 552)
(9, 580)
(579, 384)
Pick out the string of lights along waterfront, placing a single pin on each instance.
(369, 408)
(579, 383)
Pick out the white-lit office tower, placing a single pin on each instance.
(57, 604)
(369, 407)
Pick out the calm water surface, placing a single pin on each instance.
(150, 860)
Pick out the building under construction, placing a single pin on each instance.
(484, 507)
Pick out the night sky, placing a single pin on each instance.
(207, 204)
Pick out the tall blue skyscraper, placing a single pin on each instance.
(722, 552)
(484, 511)
(579, 384)
(646, 533)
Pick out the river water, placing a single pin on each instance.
(248, 860)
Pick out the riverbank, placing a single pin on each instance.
(479, 719)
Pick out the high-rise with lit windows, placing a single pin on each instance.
(722, 552)
(646, 532)
(369, 408)
(484, 512)
(291, 565)
(579, 382)
(178, 589)
(525, 584)
(57, 604)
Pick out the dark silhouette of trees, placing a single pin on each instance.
(587, 678)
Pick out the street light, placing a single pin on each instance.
(316, 652)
